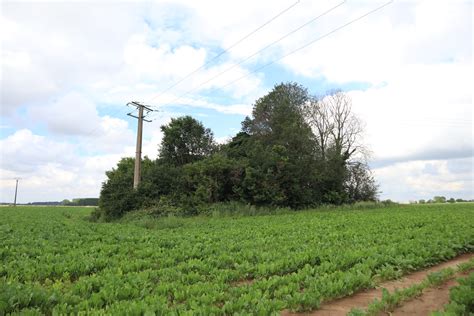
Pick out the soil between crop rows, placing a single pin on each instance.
(431, 300)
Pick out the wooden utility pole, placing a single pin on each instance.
(138, 154)
(16, 191)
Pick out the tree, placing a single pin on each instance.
(338, 138)
(117, 195)
(185, 140)
(212, 179)
(159, 179)
(277, 113)
(335, 126)
(295, 150)
(360, 183)
(439, 199)
(281, 155)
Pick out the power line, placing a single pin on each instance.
(225, 50)
(284, 56)
(431, 123)
(209, 62)
(95, 129)
(310, 43)
(262, 49)
(293, 51)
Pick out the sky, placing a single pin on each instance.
(68, 69)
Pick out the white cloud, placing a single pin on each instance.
(74, 119)
(243, 109)
(421, 112)
(373, 49)
(23, 151)
(163, 61)
(113, 136)
(66, 65)
(53, 170)
(71, 114)
(64, 46)
(423, 179)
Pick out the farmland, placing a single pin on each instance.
(54, 261)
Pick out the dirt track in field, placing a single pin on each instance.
(430, 300)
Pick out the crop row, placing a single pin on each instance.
(54, 261)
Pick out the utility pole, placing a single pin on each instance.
(138, 154)
(16, 191)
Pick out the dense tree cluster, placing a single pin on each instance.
(295, 151)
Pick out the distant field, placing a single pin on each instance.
(53, 261)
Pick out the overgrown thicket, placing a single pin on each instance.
(295, 151)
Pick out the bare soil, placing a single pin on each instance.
(432, 299)
(341, 307)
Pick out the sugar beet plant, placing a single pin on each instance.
(55, 262)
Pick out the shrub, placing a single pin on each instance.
(163, 207)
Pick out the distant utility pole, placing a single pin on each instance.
(16, 191)
(138, 154)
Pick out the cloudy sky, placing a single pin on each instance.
(69, 68)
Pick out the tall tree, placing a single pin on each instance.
(338, 137)
(185, 140)
(335, 125)
(285, 146)
(277, 114)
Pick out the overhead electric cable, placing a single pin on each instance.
(264, 48)
(291, 52)
(225, 50)
(210, 61)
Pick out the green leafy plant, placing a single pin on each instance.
(216, 265)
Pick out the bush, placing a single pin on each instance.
(164, 207)
(117, 196)
(213, 179)
(95, 216)
(144, 219)
(234, 208)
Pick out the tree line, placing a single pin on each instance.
(296, 150)
(440, 199)
(81, 202)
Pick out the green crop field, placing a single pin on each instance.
(53, 261)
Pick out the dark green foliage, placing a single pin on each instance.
(159, 179)
(117, 195)
(213, 179)
(276, 160)
(360, 184)
(278, 119)
(164, 206)
(185, 140)
(282, 161)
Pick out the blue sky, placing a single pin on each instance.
(68, 69)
